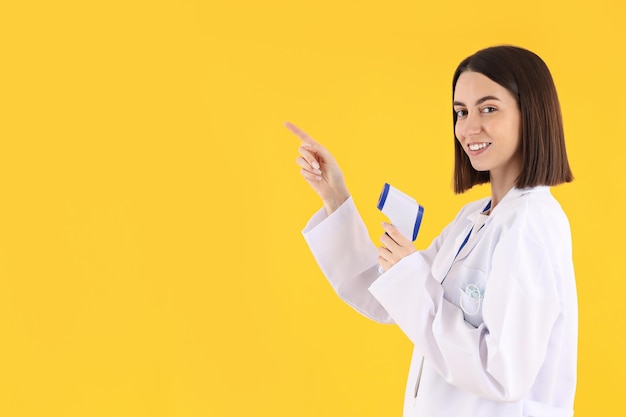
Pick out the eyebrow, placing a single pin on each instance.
(479, 101)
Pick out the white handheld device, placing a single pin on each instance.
(402, 210)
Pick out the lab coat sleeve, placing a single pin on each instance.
(501, 358)
(342, 248)
(346, 255)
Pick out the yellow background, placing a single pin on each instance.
(151, 262)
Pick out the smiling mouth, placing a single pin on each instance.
(478, 146)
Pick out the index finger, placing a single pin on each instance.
(299, 133)
(393, 232)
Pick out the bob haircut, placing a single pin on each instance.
(542, 142)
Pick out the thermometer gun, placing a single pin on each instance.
(402, 210)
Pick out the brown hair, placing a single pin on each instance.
(526, 76)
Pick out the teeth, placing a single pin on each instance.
(477, 146)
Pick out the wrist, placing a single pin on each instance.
(336, 201)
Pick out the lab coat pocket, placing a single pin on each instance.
(471, 293)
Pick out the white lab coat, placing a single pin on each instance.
(511, 354)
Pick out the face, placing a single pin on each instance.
(488, 126)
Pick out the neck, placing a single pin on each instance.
(500, 186)
(503, 178)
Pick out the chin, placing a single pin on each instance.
(480, 168)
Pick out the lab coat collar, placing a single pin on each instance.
(517, 192)
(512, 194)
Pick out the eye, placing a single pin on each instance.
(488, 109)
(460, 113)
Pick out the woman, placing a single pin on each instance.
(491, 305)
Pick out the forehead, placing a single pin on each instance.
(472, 86)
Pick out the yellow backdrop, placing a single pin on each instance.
(151, 262)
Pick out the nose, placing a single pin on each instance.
(468, 126)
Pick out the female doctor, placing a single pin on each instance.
(491, 304)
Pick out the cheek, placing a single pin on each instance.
(516, 128)
(516, 135)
